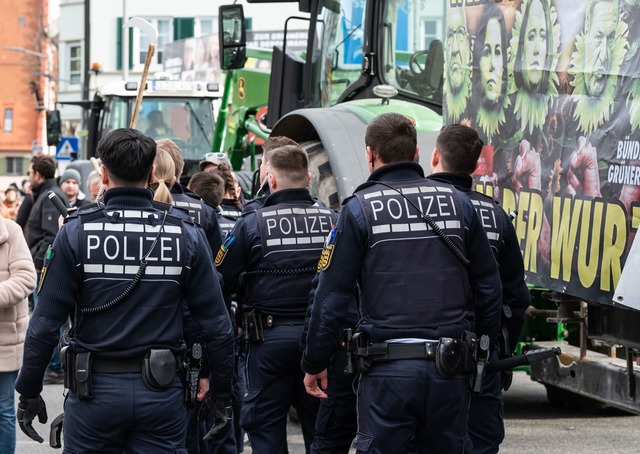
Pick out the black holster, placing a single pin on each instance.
(82, 377)
(252, 326)
(67, 364)
(359, 351)
(158, 369)
(454, 356)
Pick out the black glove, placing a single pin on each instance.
(28, 409)
(220, 409)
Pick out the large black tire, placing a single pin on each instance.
(323, 183)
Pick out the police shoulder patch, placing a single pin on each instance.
(327, 251)
(222, 252)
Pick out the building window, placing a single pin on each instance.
(15, 166)
(432, 30)
(75, 64)
(8, 120)
(164, 37)
(205, 27)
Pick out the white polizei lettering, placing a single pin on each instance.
(274, 242)
(109, 227)
(286, 230)
(376, 206)
(134, 228)
(125, 250)
(271, 224)
(399, 227)
(325, 224)
(487, 217)
(410, 209)
(372, 195)
(90, 268)
(113, 269)
(113, 240)
(313, 224)
(442, 204)
(165, 248)
(384, 228)
(178, 249)
(429, 201)
(93, 227)
(418, 226)
(317, 239)
(296, 228)
(93, 242)
(493, 236)
(288, 241)
(394, 204)
(284, 211)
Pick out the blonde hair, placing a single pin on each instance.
(174, 151)
(164, 177)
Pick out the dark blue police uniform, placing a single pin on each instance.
(413, 291)
(274, 251)
(228, 214)
(201, 212)
(486, 425)
(94, 259)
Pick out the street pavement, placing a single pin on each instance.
(533, 426)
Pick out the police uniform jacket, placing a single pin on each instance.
(270, 256)
(43, 220)
(411, 284)
(228, 214)
(201, 212)
(94, 259)
(505, 248)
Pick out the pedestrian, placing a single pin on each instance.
(124, 270)
(42, 227)
(410, 340)
(453, 161)
(11, 204)
(70, 182)
(201, 212)
(17, 281)
(269, 259)
(213, 160)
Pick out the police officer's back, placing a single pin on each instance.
(270, 258)
(458, 148)
(122, 271)
(415, 289)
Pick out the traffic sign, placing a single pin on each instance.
(67, 146)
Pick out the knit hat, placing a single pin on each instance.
(71, 174)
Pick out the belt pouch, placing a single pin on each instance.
(67, 366)
(83, 375)
(253, 325)
(158, 369)
(449, 357)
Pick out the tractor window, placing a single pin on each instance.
(412, 53)
(339, 47)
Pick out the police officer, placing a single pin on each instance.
(274, 252)
(453, 161)
(123, 269)
(201, 212)
(230, 208)
(418, 253)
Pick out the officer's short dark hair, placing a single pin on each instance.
(275, 142)
(127, 154)
(459, 148)
(292, 161)
(45, 165)
(209, 186)
(393, 137)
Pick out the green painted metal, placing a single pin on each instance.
(221, 121)
(367, 109)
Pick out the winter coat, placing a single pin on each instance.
(17, 282)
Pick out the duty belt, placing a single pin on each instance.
(116, 366)
(388, 351)
(277, 320)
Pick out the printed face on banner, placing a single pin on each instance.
(535, 45)
(491, 61)
(600, 34)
